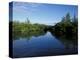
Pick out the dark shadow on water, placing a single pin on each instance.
(69, 40)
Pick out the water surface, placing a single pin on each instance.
(45, 44)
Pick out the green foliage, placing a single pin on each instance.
(67, 26)
(26, 27)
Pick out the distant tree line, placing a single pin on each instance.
(27, 27)
(68, 26)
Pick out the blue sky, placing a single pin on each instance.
(48, 14)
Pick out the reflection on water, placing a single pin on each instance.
(42, 43)
(27, 35)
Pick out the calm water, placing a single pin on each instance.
(46, 44)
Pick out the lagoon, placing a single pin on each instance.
(42, 45)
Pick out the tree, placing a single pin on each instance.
(63, 19)
(75, 19)
(28, 21)
(68, 19)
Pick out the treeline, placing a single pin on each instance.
(68, 26)
(27, 28)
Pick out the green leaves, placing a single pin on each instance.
(25, 27)
(67, 25)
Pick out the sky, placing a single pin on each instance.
(48, 14)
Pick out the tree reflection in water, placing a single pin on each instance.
(69, 41)
(27, 35)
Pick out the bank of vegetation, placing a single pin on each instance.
(24, 29)
(68, 26)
